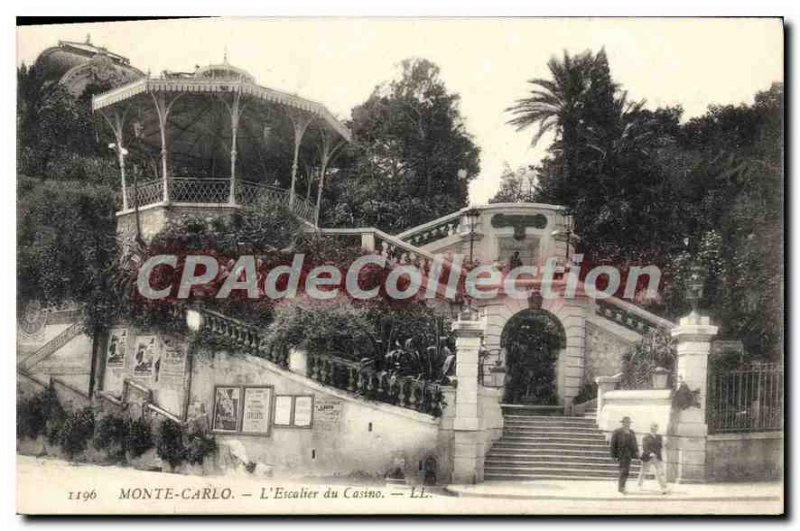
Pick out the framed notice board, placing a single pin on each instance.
(294, 411)
(246, 410)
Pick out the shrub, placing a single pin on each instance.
(199, 446)
(140, 438)
(655, 350)
(170, 446)
(112, 435)
(587, 392)
(34, 413)
(76, 431)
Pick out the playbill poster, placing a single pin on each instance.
(365, 266)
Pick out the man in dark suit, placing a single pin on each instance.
(623, 449)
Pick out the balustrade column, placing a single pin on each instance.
(693, 335)
(468, 444)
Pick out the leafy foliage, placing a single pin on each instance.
(412, 158)
(516, 186)
(34, 413)
(645, 189)
(77, 431)
(140, 438)
(66, 245)
(657, 349)
(169, 443)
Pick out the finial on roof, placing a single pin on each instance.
(225, 56)
(88, 38)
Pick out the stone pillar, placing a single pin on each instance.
(604, 385)
(468, 438)
(693, 335)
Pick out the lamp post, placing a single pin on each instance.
(121, 154)
(695, 285)
(472, 216)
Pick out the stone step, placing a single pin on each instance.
(578, 430)
(551, 470)
(594, 453)
(540, 477)
(555, 438)
(550, 456)
(609, 466)
(550, 445)
(545, 419)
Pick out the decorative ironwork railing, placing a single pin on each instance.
(188, 190)
(406, 392)
(214, 191)
(403, 391)
(746, 400)
(146, 193)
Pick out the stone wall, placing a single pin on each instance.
(604, 351)
(153, 218)
(347, 435)
(744, 457)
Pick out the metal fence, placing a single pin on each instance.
(746, 400)
(185, 190)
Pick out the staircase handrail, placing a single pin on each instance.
(50, 347)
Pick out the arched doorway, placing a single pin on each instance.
(532, 340)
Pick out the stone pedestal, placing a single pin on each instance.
(693, 335)
(604, 385)
(468, 439)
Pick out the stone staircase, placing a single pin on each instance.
(551, 448)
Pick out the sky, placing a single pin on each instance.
(339, 61)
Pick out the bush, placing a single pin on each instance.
(199, 446)
(170, 446)
(656, 349)
(34, 413)
(112, 435)
(76, 431)
(140, 438)
(587, 392)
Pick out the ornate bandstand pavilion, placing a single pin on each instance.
(215, 139)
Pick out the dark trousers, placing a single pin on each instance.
(624, 470)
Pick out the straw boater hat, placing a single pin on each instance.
(625, 419)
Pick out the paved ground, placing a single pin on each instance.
(50, 486)
(607, 491)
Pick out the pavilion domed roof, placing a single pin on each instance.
(223, 71)
(76, 64)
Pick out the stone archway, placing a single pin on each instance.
(533, 341)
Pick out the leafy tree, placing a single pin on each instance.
(57, 136)
(516, 186)
(412, 158)
(66, 245)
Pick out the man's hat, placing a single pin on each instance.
(625, 419)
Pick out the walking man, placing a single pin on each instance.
(651, 457)
(623, 449)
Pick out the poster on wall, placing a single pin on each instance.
(173, 364)
(146, 356)
(283, 410)
(328, 412)
(255, 418)
(227, 403)
(117, 349)
(302, 411)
